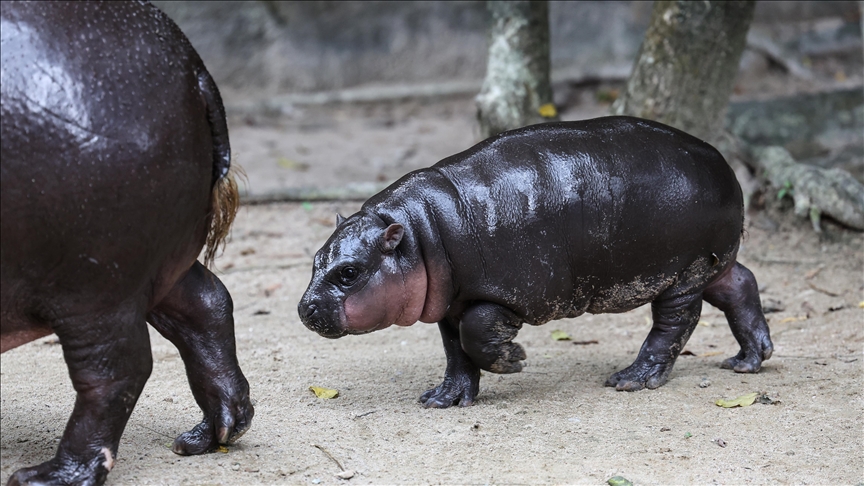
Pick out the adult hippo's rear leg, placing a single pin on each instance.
(109, 361)
(674, 321)
(736, 293)
(197, 317)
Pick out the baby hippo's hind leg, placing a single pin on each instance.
(197, 317)
(487, 331)
(736, 294)
(674, 321)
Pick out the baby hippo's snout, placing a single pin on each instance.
(314, 316)
(306, 309)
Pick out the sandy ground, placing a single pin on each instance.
(552, 423)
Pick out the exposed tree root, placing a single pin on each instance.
(816, 191)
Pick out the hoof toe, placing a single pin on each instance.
(629, 386)
(506, 367)
(452, 392)
(739, 365)
(637, 377)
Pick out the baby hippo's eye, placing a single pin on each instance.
(348, 275)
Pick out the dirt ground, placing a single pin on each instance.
(553, 423)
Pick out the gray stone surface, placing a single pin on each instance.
(263, 48)
(824, 129)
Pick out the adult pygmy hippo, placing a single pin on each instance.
(542, 223)
(114, 159)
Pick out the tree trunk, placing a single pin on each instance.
(516, 91)
(686, 66)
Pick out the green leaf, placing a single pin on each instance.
(619, 481)
(742, 401)
(560, 335)
(786, 189)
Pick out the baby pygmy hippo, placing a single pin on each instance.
(542, 223)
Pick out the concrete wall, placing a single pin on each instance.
(267, 47)
(277, 47)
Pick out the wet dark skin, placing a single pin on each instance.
(542, 223)
(113, 136)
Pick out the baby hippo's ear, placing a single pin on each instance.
(339, 219)
(392, 236)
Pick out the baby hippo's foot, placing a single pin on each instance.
(504, 358)
(736, 293)
(487, 332)
(640, 375)
(750, 361)
(456, 389)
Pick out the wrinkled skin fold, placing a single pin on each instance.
(542, 223)
(114, 152)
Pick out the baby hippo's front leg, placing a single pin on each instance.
(487, 331)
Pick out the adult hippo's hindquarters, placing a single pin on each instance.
(542, 223)
(114, 177)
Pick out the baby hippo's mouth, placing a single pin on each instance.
(324, 329)
(332, 334)
(317, 319)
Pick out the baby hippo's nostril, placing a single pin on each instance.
(306, 310)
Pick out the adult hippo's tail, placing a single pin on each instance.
(225, 197)
(224, 205)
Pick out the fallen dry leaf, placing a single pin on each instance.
(793, 319)
(547, 111)
(742, 401)
(289, 164)
(813, 273)
(322, 392)
(560, 335)
(271, 288)
(764, 399)
(346, 474)
(772, 305)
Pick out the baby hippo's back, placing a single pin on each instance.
(600, 215)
